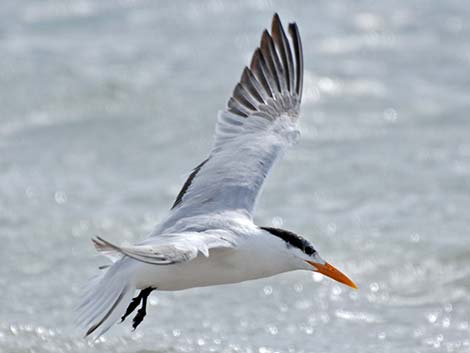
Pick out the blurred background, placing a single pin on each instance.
(105, 107)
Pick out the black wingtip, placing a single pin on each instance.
(299, 61)
(276, 22)
(293, 29)
(275, 70)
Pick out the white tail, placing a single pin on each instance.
(105, 298)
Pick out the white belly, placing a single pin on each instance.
(221, 267)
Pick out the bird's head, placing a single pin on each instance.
(307, 257)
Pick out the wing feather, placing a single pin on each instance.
(282, 44)
(187, 184)
(168, 249)
(299, 60)
(260, 121)
(249, 82)
(244, 97)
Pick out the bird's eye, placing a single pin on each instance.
(309, 250)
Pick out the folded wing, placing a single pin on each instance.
(168, 249)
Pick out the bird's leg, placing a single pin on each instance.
(142, 311)
(132, 306)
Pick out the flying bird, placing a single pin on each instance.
(209, 236)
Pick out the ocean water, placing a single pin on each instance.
(106, 106)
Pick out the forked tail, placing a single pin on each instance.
(106, 298)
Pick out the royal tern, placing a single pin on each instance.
(209, 236)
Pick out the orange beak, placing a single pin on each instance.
(332, 272)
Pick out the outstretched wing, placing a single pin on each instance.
(260, 121)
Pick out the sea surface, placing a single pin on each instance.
(106, 106)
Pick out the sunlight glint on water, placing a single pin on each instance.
(106, 107)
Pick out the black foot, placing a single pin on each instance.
(141, 298)
(139, 317)
(132, 306)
